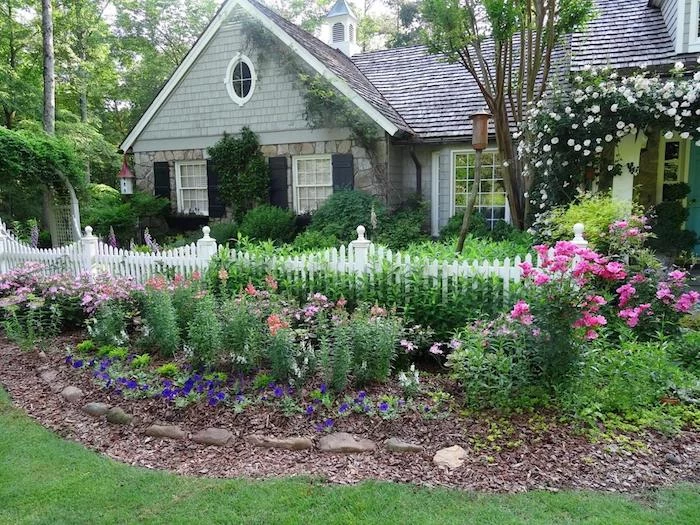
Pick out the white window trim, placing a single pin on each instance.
(228, 79)
(178, 182)
(693, 36)
(295, 175)
(453, 182)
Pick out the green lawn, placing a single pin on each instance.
(46, 480)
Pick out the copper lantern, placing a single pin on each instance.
(480, 129)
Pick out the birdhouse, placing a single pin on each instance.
(480, 129)
(126, 179)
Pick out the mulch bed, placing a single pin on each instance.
(541, 455)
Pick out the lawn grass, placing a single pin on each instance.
(44, 479)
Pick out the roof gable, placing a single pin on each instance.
(333, 65)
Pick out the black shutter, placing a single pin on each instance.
(343, 176)
(161, 179)
(279, 194)
(216, 207)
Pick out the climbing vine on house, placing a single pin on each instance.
(574, 130)
(325, 106)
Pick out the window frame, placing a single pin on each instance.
(693, 31)
(333, 32)
(683, 163)
(295, 178)
(453, 180)
(179, 188)
(228, 79)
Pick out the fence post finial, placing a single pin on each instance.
(88, 244)
(360, 248)
(578, 239)
(206, 248)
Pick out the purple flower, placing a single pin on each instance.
(240, 398)
(426, 408)
(69, 359)
(278, 391)
(383, 406)
(323, 388)
(220, 396)
(112, 238)
(213, 401)
(343, 408)
(78, 363)
(328, 423)
(131, 384)
(309, 410)
(361, 395)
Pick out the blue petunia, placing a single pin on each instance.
(309, 410)
(383, 406)
(343, 408)
(78, 363)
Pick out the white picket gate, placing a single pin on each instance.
(360, 257)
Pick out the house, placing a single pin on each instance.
(417, 104)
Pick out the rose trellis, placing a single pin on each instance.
(574, 129)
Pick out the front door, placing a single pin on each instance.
(694, 197)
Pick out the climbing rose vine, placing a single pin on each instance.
(575, 128)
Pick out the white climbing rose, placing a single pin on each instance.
(613, 108)
(608, 138)
(668, 135)
(571, 142)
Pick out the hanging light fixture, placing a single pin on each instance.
(126, 179)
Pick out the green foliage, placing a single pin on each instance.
(32, 326)
(311, 241)
(686, 351)
(160, 328)
(670, 215)
(477, 227)
(595, 211)
(262, 380)
(169, 370)
(243, 333)
(281, 353)
(141, 362)
(243, 172)
(336, 357)
(204, 335)
(402, 228)
(223, 232)
(109, 325)
(374, 343)
(117, 353)
(344, 211)
(267, 222)
(86, 347)
(327, 107)
(184, 303)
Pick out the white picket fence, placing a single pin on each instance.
(360, 257)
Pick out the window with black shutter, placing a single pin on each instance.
(343, 172)
(216, 206)
(161, 179)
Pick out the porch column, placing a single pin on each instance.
(628, 152)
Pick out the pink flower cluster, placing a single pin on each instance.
(521, 312)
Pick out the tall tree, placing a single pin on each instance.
(507, 47)
(407, 28)
(49, 67)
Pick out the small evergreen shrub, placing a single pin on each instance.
(160, 323)
(267, 222)
(344, 211)
(477, 227)
(204, 333)
(141, 362)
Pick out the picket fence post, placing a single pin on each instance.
(360, 249)
(578, 239)
(88, 245)
(206, 249)
(4, 239)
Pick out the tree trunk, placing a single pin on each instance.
(470, 202)
(512, 176)
(49, 76)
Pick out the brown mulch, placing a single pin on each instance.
(530, 454)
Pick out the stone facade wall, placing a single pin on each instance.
(370, 176)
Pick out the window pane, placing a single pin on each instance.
(671, 161)
(491, 198)
(314, 183)
(193, 189)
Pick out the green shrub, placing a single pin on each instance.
(375, 339)
(268, 223)
(686, 351)
(281, 352)
(108, 326)
(204, 333)
(86, 347)
(595, 211)
(310, 241)
(141, 361)
(402, 228)
(336, 357)
(344, 211)
(670, 215)
(118, 353)
(184, 303)
(243, 334)
(160, 328)
(477, 227)
(169, 370)
(223, 232)
(33, 325)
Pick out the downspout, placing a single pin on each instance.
(419, 172)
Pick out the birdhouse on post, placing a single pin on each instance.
(126, 179)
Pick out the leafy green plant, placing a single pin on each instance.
(118, 353)
(670, 215)
(267, 222)
(281, 353)
(141, 361)
(686, 351)
(160, 327)
(32, 325)
(243, 334)
(169, 370)
(223, 232)
(336, 357)
(344, 211)
(86, 347)
(262, 380)
(311, 241)
(242, 170)
(204, 337)
(108, 326)
(402, 228)
(375, 338)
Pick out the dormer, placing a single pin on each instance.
(339, 29)
(682, 19)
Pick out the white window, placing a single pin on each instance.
(694, 25)
(313, 181)
(240, 79)
(491, 197)
(192, 188)
(338, 32)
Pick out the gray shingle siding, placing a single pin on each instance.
(669, 10)
(201, 107)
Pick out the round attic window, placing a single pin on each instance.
(240, 79)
